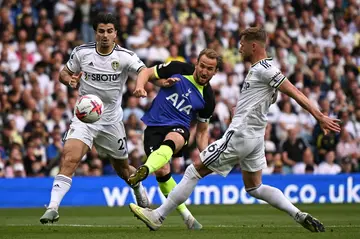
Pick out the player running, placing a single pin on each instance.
(243, 142)
(102, 68)
(168, 120)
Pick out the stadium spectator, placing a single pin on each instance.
(174, 54)
(132, 108)
(287, 121)
(293, 149)
(347, 146)
(307, 161)
(329, 166)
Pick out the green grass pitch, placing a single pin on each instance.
(219, 221)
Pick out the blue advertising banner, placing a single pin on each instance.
(112, 191)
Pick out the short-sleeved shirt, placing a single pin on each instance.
(181, 103)
(257, 94)
(104, 76)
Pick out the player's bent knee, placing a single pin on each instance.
(175, 141)
(72, 154)
(163, 178)
(201, 169)
(199, 165)
(165, 170)
(170, 143)
(252, 179)
(75, 148)
(255, 192)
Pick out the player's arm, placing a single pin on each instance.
(202, 135)
(65, 76)
(68, 74)
(326, 123)
(277, 80)
(160, 75)
(203, 118)
(143, 77)
(288, 88)
(148, 75)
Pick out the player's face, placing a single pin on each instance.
(105, 35)
(205, 69)
(245, 49)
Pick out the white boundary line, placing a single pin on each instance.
(208, 226)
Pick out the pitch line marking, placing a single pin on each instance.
(209, 226)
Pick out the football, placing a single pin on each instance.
(89, 108)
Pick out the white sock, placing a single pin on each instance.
(60, 187)
(185, 213)
(138, 189)
(274, 197)
(181, 192)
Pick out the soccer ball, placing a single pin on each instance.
(89, 108)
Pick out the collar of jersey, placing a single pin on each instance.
(104, 54)
(192, 80)
(268, 58)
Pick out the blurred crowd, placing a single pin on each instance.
(316, 44)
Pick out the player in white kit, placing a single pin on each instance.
(243, 142)
(102, 69)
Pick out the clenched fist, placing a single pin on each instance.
(75, 79)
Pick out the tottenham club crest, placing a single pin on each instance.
(115, 65)
(179, 130)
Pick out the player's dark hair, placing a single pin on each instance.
(254, 34)
(105, 18)
(212, 54)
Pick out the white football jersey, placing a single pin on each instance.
(258, 92)
(104, 76)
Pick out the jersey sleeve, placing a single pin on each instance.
(166, 70)
(205, 114)
(273, 76)
(73, 64)
(135, 64)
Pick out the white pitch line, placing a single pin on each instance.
(69, 225)
(209, 226)
(284, 226)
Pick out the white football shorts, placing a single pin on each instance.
(109, 140)
(231, 149)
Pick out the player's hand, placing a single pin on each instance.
(170, 82)
(328, 124)
(140, 92)
(75, 79)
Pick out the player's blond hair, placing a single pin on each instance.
(254, 34)
(212, 54)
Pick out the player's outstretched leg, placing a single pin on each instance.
(309, 222)
(147, 216)
(124, 170)
(50, 215)
(154, 218)
(140, 174)
(277, 199)
(74, 150)
(166, 184)
(158, 158)
(140, 194)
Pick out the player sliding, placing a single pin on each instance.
(168, 119)
(243, 142)
(105, 67)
